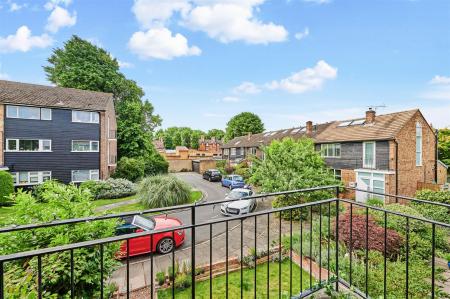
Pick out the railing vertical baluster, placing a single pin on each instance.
(151, 267)
(193, 243)
(210, 260)
(101, 271)
(290, 253)
(433, 249)
(268, 256)
(337, 245)
(2, 294)
(39, 276)
(329, 240)
(310, 245)
(72, 285)
(279, 259)
(242, 256)
(173, 265)
(128, 268)
(351, 242)
(320, 244)
(367, 252)
(407, 259)
(385, 256)
(301, 251)
(226, 259)
(256, 254)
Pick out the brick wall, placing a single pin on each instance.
(348, 176)
(180, 165)
(408, 173)
(2, 135)
(108, 141)
(442, 174)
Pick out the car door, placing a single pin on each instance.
(139, 245)
(226, 181)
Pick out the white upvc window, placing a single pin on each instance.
(79, 176)
(23, 178)
(331, 150)
(418, 144)
(225, 151)
(369, 154)
(337, 174)
(28, 145)
(233, 151)
(85, 117)
(85, 146)
(26, 112)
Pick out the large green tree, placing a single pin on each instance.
(243, 123)
(444, 145)
(80, 64)
(289, 165)
(217, 133)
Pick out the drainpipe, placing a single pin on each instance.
(396, 170)
(437, 155)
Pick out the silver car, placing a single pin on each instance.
(238, 207)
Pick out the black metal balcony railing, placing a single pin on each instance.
(334, 275)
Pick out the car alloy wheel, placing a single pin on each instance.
(165, 245)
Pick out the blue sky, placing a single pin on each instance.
(202, 61)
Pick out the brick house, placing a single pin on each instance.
(393, 153)
(56, 133)
(212, 146)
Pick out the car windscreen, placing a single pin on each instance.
(144, 223)
(215, 173)
(237, 194)
(238, 178)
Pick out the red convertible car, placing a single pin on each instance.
(162, 242)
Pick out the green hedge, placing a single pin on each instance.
(6, 186)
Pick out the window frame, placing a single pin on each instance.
(419, 148)
(17, 150)
(40, 175)
(91, 142)
(374, 163)
(91, 118)
(91, 172)
(325, 147)
(17, 113)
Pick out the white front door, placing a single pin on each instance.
(363, 184)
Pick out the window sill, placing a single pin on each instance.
(84, 151)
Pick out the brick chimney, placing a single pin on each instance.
(249, 135)
(370, 116)
(309, 127)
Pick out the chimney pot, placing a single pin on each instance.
(309, 127)
(370, 116)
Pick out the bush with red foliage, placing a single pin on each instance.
(376, 235)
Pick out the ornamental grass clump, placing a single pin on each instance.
(163, 191)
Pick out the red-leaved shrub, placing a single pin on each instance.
(376, 235)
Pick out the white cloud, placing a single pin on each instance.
(247, 88)
(23, 41)
(60, 17)
(307, 79)
(161, 44)
(440, 80)
(229, 21)
(439, 89)
(303, 34)
(151, 13)
(13, 6)
(229, 99)
(50, 5)
(124, 64)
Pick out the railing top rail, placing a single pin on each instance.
(446, 225)
(402, 197)
(25, 254)
(13, 228)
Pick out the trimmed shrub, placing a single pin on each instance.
(435, 213)
(183, 281)
(243, 170)
(163, 191)
(376, 235)
(111, 188)
(130, 168)
(229, 169)
(161, 278)
(6, 186)
(155, 164)
(52, 190)
(439, 196)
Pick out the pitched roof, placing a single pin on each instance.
(49, 96)
(266, 138)
(385, 127)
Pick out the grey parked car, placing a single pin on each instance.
(241, 206)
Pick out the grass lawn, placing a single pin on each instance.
(234, 281)
(103, 202)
